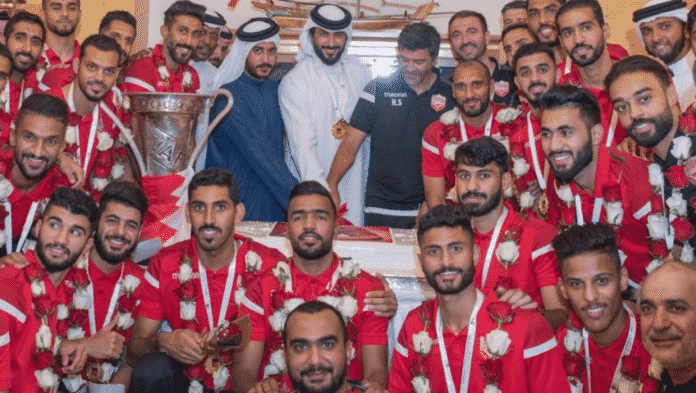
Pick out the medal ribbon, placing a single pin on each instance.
(492, 245)
(486, 131)
(535, 156)
(112, 303)
(92, 129)
(229, 282)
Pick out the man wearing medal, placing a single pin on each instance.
(605, 330)
(595, 184)
(317, 97)
(195, 285)
(466, 340)
(314, 272)
(475, 116)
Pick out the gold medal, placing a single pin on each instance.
(212, 364)
(94, 372)
(543, 205)
(339, 129)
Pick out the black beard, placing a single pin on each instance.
(25, 173)
(663, 124)
(324, 59)
(467, 279)
(311, 255)
(480, 111)
(487, 207)
(583, 159)
(251, 71)
(53, 268)
(670, 57)
(596, 54)
(171, 47)
(110, 258)
(336, 382)
(63, 33)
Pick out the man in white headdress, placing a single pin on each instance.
(661, 24)
(249, 141)
(317, 99)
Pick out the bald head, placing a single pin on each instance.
(468, 66)
(471, 88)
(668, 318)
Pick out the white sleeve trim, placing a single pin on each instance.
(367, 96)
(430, 148)
(252, 306)
(643, 211)
(153, 281)
(547, 248)
(12, 310)
(541, 348)
(141, 83)
(4, 339)
(401, 349)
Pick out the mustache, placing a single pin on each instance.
(316, 369)
(593, 305)
(24, 54)
(473, 194)
(468, 44)
(309, 233)
(265, 65)
(536, 84)
(97, 83)
(447, 270)
(209, 226)
(60, 246)
(580, 46)
(326, 47)
(664, 335)
(559, 152)
(544, 26)
(184, 46)
(119, 238)
(33, 157)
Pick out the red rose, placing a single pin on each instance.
(421, 366)
(189, 325)
(658, 248)
(247, 279)
(492, 371)
(612, 194)
(69, 292)
(501, 312)
(352, 331)
(676, 176)
(62, 328)
(568, 216)
(687, 122)
(186, 291)
(346, 287)
(517, 149)
(80, 278)
(3, 213)
(33, 272)
(121, 152)
(277, 300)
(43, 306)
(127, 303)
(651, 385)
(43, 359)
(197, 371)
(77, 318)
(682, 229)
(521, 184)
(229, 332)
(574, 365)
(503, 285)
(101, 171)
(514, 233)
(630, 367)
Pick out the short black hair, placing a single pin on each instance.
(311, 187)
(76, 202)
(43, 3)
(482, 151)
(4, 52)
(315, 307)
(468, 14)
(420, 35)
(102, 42)
(691, 18)
(46, 105)
(588, 238)
(475, 63)
(516, 26)
(638, 63)
(183, 7)
(560, 96)
(443, 216)
(24, 16)
(215, 177)
(514, 5)
(120, 15)
(532, 49)
(125, 193)
(577, 4)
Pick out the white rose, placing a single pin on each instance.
(573, 341)
(239, 295)
(46, 378)
(81, 263)
(498, 341)
(71, 135)
(348, 306)
(615, 213)
(450, 117)
(62, 312)
(277, 320)
(187, 80)
(163, 72)
(628, 386)
(332, 301)
(422, 343)
(117, 171)
(123, 139)
(421, 384)
(130, 284)
(105, 141)
(40, 74)
(278, 361)
(507, 252)
(575, 386)
(38, 288)
(126, 103)
(656, 178)
(3, 238)
(81, 299)
(622, 257)
(185, 272)
(195, 387)
(124, 321)
(566, 195)
(253, 261)
(56, 345)
(507, 115)
(99, 183)
(291, 304)
(491, 389)
(43, 338)
(220, 378)
(108, 370)
(509, 193)
(449, 150)
(6, 188)
(520, 167)
(681, 148)
(76, 333)
(677, 204)
(349, 270)
(526, 200)
(654, 264)
(657, 226)
(188, 310)
(281, 271)
(269, 370)
(687, 254)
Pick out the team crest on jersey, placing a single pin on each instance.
(438, 102)
(502, 88)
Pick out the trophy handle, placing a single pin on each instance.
(125, 132)
(213, 124)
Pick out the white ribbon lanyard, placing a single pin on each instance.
(7, 96)
(112, 303)
(568, 65)
(25, 229)
(612, 128)
(92, 129)
(486, 131)
(468, 353)
(628, 346)
(535, 157)
(229, 282)
(492, 245)
(596, 211)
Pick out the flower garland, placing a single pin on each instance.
(164, 73)
(573, 360)
(508, 249)
(422, 345)
(6, 189)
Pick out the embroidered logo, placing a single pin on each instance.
(502, 88)
(438, 102)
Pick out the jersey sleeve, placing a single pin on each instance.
(544, 258)
(543, 358)
(252, 305)
(373, 328)
(11, 315)
(138, 77)
(365, 110)
(151, 305)
(400, 375)
(432, 164)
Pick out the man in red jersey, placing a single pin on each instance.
(608, 331)
(61, 48)
(195, 285)
(466, 340)
(30, 305)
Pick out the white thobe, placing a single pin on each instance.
(309, 112)
(206, 74)
(684, 80)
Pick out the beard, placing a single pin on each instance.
(24, 68)
(662, 123)
(311, 255)
(479, 51)
(54, 267)
(337, 380)
(171, 47)
(66, 32)
(672, 55)
(476, 112)
(251, 70)
(467, 279)
(486, 207)
(19, 158)
(535, 99)
(108, 256)
(329, 61)
(92, 97)
(588, 59)
(581, 160)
